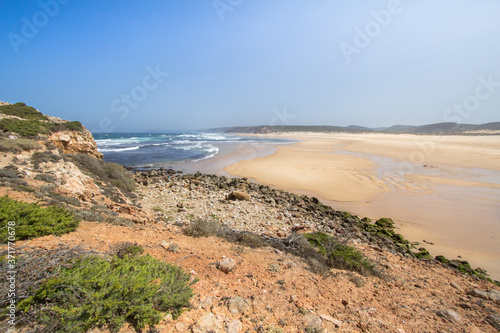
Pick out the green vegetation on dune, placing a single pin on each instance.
(32, 221)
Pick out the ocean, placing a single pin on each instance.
(154, 150)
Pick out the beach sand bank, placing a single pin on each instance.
(443, 190)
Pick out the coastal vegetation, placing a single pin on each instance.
(34, 221)
(23, 111)
(17, 146)
(85, 290)
(28, 122)
(31, 128)
(321, 251)
(113, 173)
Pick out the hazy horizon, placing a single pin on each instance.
(163, 66)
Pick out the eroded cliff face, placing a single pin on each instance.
(76, 142)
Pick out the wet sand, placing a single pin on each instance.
(443, 190)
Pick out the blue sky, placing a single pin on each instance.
(162, 65)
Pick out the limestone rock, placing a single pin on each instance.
(237, 195)
(234, 327)
(450, 315)
(332, 320)
(238, 305)
(494, 320)
(76, 142)
(226, 265)
(491, 295)
(313, 322)
(206, 303)
(207, 323)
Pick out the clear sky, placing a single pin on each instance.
(162, 65)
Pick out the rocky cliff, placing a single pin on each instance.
(25, 121)
(76, 142)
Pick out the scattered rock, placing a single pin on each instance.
(206, 303)
(234, 327)
(494, 320)
(491, 295)
(313, 322)
(332, 320)
(238, 305)
(207, 323)
(456, 286)
(181, 327)
(450, 315)
(237, 195)
(226, 265)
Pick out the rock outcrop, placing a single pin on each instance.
(76, 142)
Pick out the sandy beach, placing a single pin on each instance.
(443, 191)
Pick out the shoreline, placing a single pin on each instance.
(450, 202)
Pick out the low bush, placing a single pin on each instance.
(8, 173)
(65, 126)
(119, 176)
(109, 172)
(57, 199)
(340, 255)
(21, 110)
(88, 215)
(33, 267)
(44, 157)
(126, 249)
(27, 128)
(107, 292)
(202, 228)
(34, 221)
(44, 177)
(18, 145)
(32, 127)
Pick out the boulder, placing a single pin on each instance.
(207, 323)
(450, 315)
(237, 195)
(226, 265)
(238, 305)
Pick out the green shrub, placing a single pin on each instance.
(33, 127)
(119, 176)
(34, 221)
(18, 145)
(57, 199)
(7, 172)
(202, 228)
(44, 177)
(109, 172)
(340, 255)
(44, 157)
(98, 292)
(21, 110)
(127, 249)
(65, 126)
(90, 164)
(27, 128)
